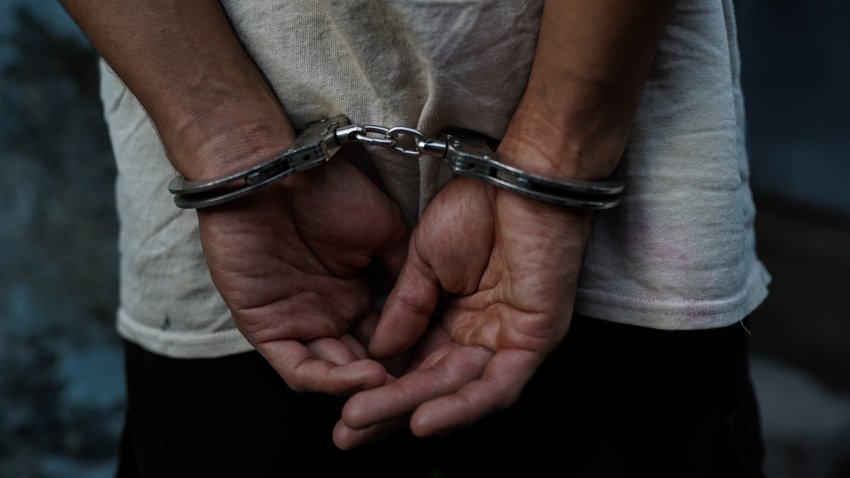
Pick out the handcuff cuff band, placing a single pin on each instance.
(465, 153)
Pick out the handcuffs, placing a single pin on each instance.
(465, 153)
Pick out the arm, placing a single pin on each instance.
(289, 260)
(494, 254)
(211, 105)
(591, 63)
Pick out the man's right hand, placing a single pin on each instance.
(291, 261)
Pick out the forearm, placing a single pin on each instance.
(591, 63)
(212, 107)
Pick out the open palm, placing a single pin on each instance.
(504, 270)
(292, 263)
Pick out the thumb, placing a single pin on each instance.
(408, 308)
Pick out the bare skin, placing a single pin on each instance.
(493, 252)
(291, 260)
(510, 266)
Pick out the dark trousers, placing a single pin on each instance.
(612, 401)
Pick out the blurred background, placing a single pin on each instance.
(61, 379)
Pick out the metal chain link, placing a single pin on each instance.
(472, 157)
(390, 138)
(465, 155)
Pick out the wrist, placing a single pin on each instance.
(211, 148)
(584, 147)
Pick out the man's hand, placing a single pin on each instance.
(510, 267)
(291, 261)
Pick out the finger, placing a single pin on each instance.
(355, 346)
(408, 309)
(436, 345)
(333, 350)
(303, 372)
(363, 330)
(499, 387)
(393, 400)
(347, 438)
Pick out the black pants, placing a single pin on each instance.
(612, 401)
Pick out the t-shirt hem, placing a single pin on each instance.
(175, 344)
(667, 315)
(676, 315)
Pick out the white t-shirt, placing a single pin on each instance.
(678, 253)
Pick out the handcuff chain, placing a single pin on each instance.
(469, 156)
(465, 154)
(389, 138)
